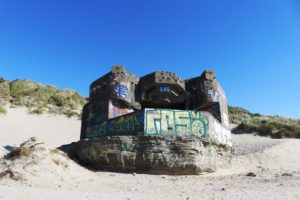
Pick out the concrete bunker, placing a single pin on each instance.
(158, 123)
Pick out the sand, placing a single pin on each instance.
(17, 126)
(48, 175)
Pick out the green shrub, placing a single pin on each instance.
(238, 115)
(44, 93)
(38, 111)
(67, 98)
(42, 98)
(4, 90)
(273, 126)
(2, 110)
(70, 113)
(20, 88)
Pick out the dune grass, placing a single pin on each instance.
(273, 126)
(2, 110)
(42, 99)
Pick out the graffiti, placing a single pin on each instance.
(96, 131)
(161, 122)
(121, 91)
(129, 124)
(126, 123)
(165, 89)
(115, 111)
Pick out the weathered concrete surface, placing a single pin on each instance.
(169, 155)
(156, 123)
(118, 98)
(165, 122)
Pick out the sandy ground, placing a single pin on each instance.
(276, 164)
(17, 126)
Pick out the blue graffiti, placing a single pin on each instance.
(121, 91)
(165, 89)
(130, 124)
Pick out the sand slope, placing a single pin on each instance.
(17, 126)
(49, 175)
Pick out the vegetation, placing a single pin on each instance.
(273, 126)
(25, 150)
(21, 88)
(4, 90)
(38, 111)
(71, 113)
(48, 99)
(19, 152)
(2, 110)
(41, 99)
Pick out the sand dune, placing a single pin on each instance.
(48, 174)
(17, 126)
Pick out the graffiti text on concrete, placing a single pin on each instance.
(160, 122)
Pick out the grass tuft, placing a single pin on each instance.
(37, 111)
(2, 110)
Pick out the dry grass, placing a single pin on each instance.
(60, 163)
(37, 111)
(24, 150)
(19, 152)
(273, 126)
(11, 174)
(2, 110)
(40, 99)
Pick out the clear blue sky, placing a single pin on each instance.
(253, 45)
